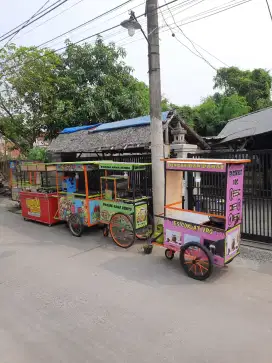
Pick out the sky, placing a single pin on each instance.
(237, 37)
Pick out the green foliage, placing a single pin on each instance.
(90, 83)
(254, 86)
(29, 83)
(85, 85)
(37, 154)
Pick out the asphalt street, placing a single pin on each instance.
(83, 300)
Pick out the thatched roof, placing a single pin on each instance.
(119, 139)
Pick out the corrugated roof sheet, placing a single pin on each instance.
(249, 125)
(133, 122)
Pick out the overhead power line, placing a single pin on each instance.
(182, 23)
(18, 26)
(33, 16)
(217, 12)
(53, 17)
(79, 41)
(182, 32)
(184, 45)
(269, 10)
(34, 20)
(87, 22)
(114, 27)
(106, 13)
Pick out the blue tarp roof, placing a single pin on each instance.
(70, 130)
(133, 122)
(110, 126)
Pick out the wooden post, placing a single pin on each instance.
(87, 193)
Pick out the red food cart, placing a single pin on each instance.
(39, 203)
(40, 207)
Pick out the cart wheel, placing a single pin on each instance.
(106, 231)
(146, 232)
(169, 254)
(121, 230)
(196, 260)
(75, 225)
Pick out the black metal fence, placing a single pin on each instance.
(257, 208)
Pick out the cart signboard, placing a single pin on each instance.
(234, 195)
(75, 167)
(115, 166)
(195, 166)
(233, 238)
(108, 209)
(122, 166)
(33, 207)
(140, 216)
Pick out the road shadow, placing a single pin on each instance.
(154, 270)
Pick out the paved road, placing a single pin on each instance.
(81, 300)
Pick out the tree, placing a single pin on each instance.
(101, 86)
(28, 83)
(232, 106)
(254, 86)
(44, 91)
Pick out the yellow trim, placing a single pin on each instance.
(233, 228)
(238, 253)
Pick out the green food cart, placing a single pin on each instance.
(125, 207)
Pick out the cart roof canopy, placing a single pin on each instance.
(36, 166)
(210, 165)
(74, 163)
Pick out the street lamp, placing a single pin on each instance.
(131, 24)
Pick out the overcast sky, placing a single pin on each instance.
(238, 37)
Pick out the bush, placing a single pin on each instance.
(38, 154)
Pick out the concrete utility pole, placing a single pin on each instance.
(157, 145)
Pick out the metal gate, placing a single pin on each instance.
(257, 209)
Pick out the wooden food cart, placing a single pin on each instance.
(125, 208)
(207, 231)
(78, 195)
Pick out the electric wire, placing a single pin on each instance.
(37, 18)
(87, 22)
(53, 17)
(269, 10)
(18, 26)
(183, 33)
(114, 27)
(33, 16)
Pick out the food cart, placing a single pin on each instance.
(37, 196)
(27, 176)
(78, 195)
(206, 231)
(125, 207)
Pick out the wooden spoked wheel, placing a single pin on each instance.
(75, 225)
(196, 260)
(121, 230)
(146, 232)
